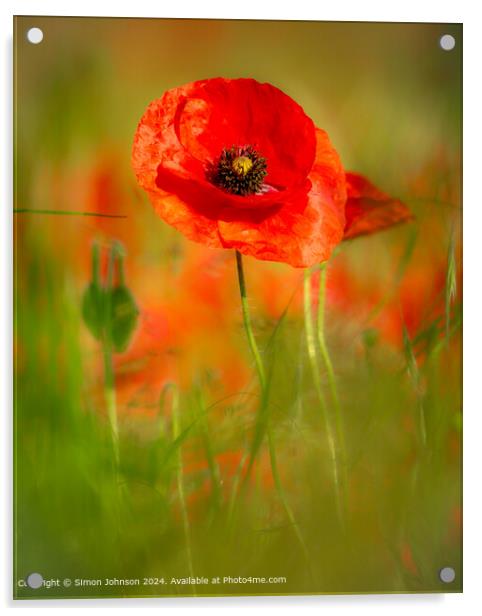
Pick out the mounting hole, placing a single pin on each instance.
(35, 36)
(447, 575)
(35, 580)
(447, 42)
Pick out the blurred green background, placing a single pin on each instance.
(185, 388)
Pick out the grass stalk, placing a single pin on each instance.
(315, 371)
(325, 356)
(234, 493)
(282, 497)
(180, 483)
(208, 447)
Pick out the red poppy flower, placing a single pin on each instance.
(233, 163)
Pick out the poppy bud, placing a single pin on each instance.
(123, 317)
(110, 312)
(93, 299)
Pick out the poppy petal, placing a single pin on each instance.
(368, 209)
(195, 225)
(306, 228)
(156, 141)
(218, 113)
(181, 134)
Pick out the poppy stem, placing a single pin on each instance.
(110, 401)
(263, 386)
(315, 370)
(247, 324)
(109, 377)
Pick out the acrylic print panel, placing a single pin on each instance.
(238, 307)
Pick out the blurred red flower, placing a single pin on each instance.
(233, 163)
(368, 209)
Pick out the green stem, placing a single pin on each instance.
(66, 213)
(211, 460)
(120, 270)
(315, 370)
(109, 378)
(110, 401)
(180, 484)
(120, 489)
(247, 324)
(321, 338)
(263, 386)
(234, 493)
(340, 434)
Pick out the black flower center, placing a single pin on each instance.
(240, 170)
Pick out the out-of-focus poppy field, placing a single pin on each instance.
(150, 462)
